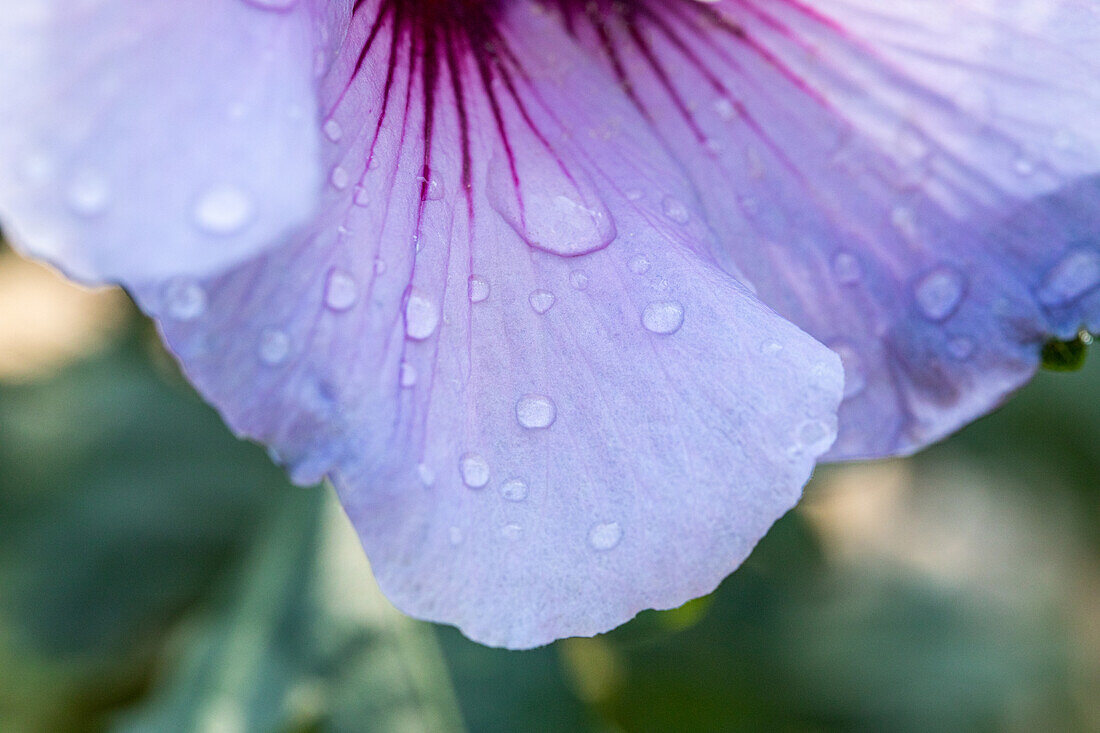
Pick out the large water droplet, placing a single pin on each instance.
(88, 194)
(474, 470)
(1075, 274)
(514, 489)
(812, 437)
(478, 289)
(184, 300)
(663, 317)
(605, 536)
(940, 292)
(535, 411)
(541, 300)
(421, 316)
(341, 291)
(675, 209)
(223, 210)
(274, 346)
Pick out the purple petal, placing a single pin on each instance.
(140, 136)
(913, 183)
(543, 407)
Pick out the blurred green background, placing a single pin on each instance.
(158, 575)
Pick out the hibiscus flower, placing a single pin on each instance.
(567, 298)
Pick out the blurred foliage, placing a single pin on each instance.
(156, 574)
(1066, 356)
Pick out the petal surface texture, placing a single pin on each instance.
(544, 407)
(915, 183)
(145, 138)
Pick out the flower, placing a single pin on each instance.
(558, 295)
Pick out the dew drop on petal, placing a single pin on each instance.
(341, 291)
(511, 532)
(675, 210)
(362, 197)
(811, 437)
(332, 130)
(939, 292)
(960, 347)
(855, 380)
(474, 470)
(88, 194)
(541, 300)
(605, 536)
(274, 346)
(455, 536)
(421, 316)
(340, 178)
(434, 189)
(478, 289)
(184, 300)
(635, 194)
(536, 411)
(847, 269)
(639, 264)
(379, 266)
(426, 474)
(663, 317)
(408, 375)
(725, 109)
(771, 347)
(578, 279)
(223, 210)
(514, 489)
(1075, 274)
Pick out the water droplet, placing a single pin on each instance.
(474, 470)
(939, 292)
(675, 210)
(578, 279)
(771, 347)
(434, 189)
(634, 194)
(223, 210)
(379, 266)
(332, 130)
(341, 291)
(88, 194)
(362, 197)
(511, 532)
(811, 437)
(454, 536)
(274, 346)
(421, 316)
(535, 411)
(408, 374)
(514, 489)
(960, 347)
(663, 317)
(478, 288)
(725, 109)
(184, 300)
(1023, 166)
(541, 300)
(847, 269)
(639, 264)
(1075, 274)
(855, 380)
(605, 536)
(340, 178)
(426, 474)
